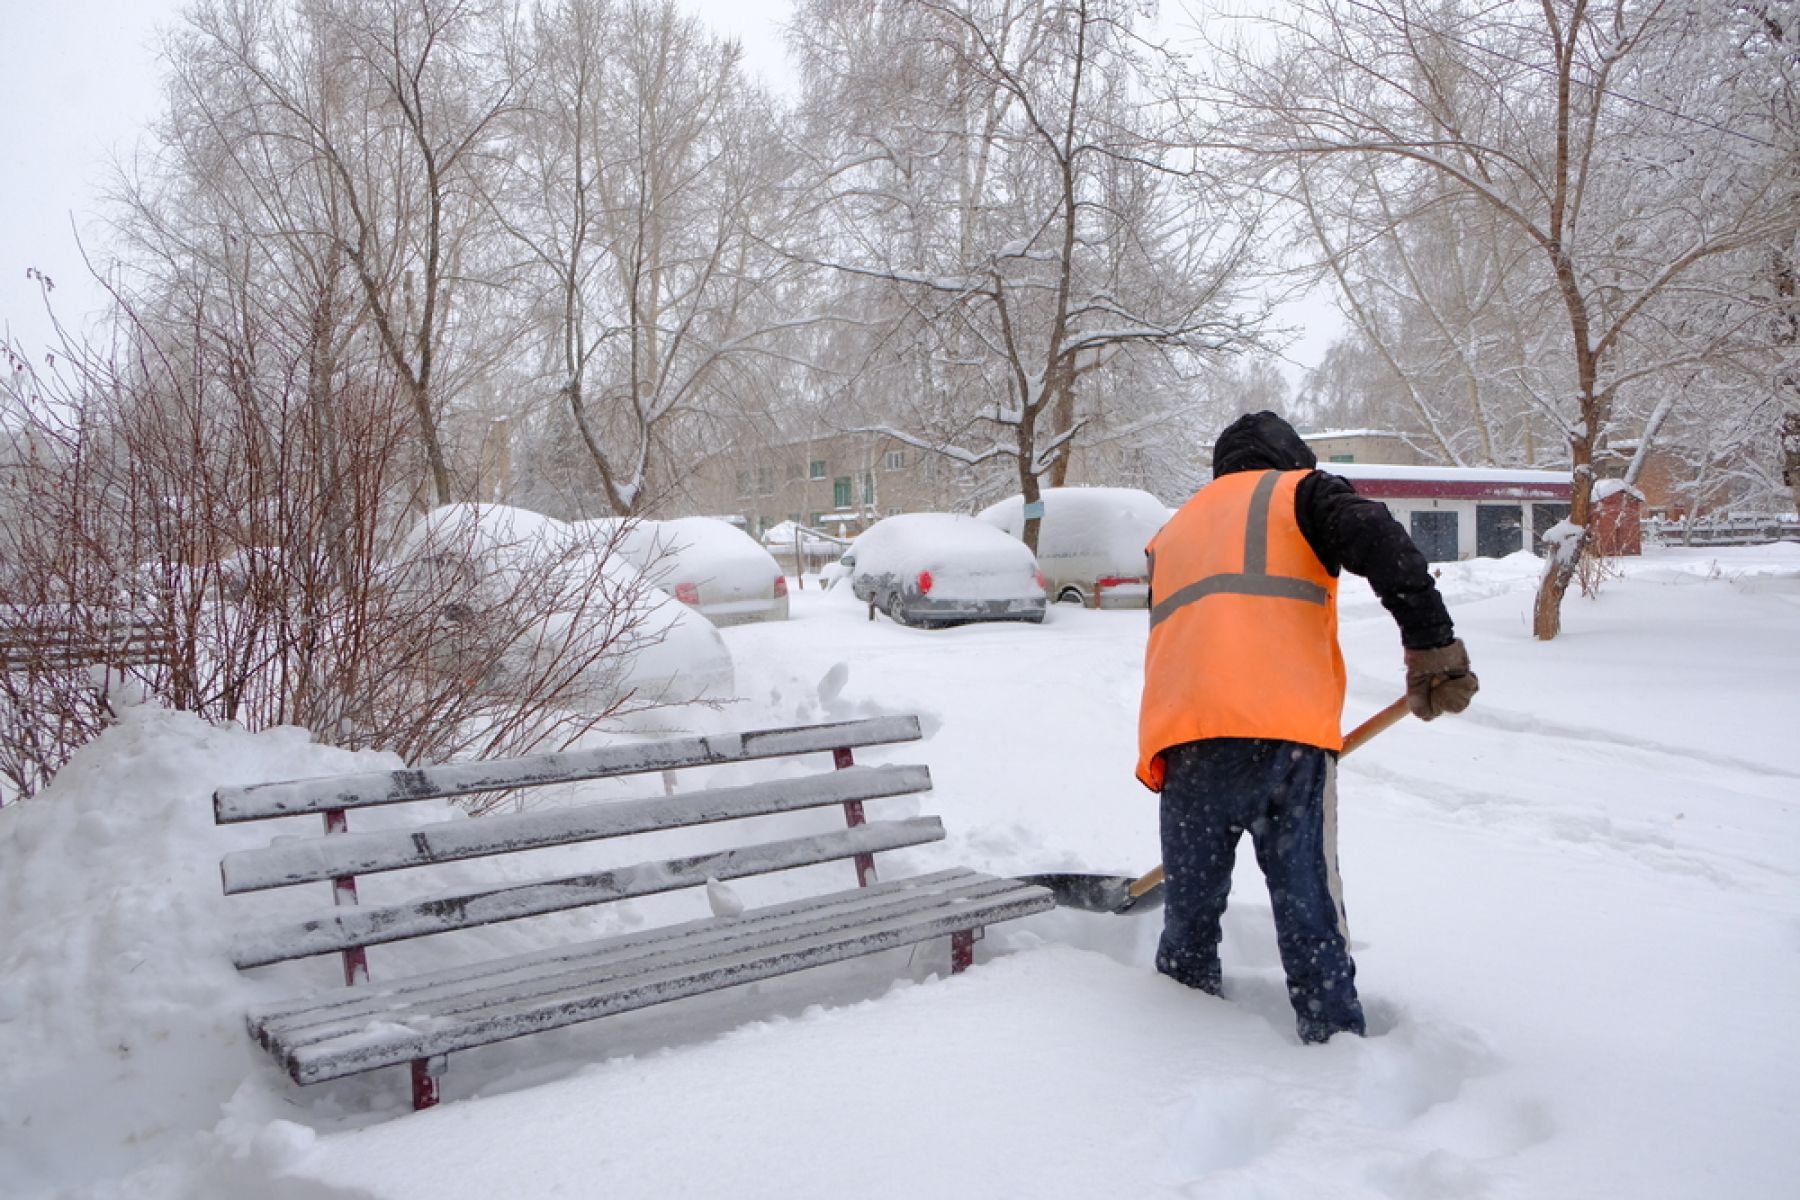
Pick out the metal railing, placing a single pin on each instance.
(1749, 530)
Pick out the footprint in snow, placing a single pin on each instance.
(832, 685)
(1408, 1069)
(1226, 1125)
(1442, 1087)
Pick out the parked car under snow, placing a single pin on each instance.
(711, 566)
(936, 569)
(522, 596)
(1090, 542)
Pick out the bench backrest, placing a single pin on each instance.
(340, 856)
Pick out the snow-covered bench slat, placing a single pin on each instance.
(421, 1018)
(290, 797)
(313, 1018)
(347, 927)
(755, 953)
(291, 862)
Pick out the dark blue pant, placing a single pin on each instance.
(1284, 794)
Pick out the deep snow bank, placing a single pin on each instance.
(120, 1017)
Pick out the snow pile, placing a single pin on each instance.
(1606, 489)
(121, 1020)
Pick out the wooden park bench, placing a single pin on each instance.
(42, 645)
(421, 1019)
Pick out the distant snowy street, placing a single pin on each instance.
(1575, 912)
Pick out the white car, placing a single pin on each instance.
(709, 565)
(1090, 542)
(556, 593)
(936, 569)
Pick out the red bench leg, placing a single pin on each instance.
(962, 949)
(343, 894)
(853, 816)
(425, 1072)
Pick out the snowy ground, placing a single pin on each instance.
(1575, 913)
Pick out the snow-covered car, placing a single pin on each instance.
(1090, 542)
(935, 569)
(521, 596)
(709, 565)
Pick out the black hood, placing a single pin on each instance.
(1261, 442)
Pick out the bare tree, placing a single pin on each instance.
(1535, 114)
(643, 195)
(379, 115)
(997, 171)
(1434, 292)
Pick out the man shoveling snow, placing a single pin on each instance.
(1244, 699)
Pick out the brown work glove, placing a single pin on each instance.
(1439, 681)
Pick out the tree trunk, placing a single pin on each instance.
(428, 434)
(1563, 561)
(1028, 490)
(1788, 385)
(1790, 452)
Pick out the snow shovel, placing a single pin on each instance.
(1123, 893)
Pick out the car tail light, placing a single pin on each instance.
(1116, 581)
(924, 582)
(1043, 584)
(688, 594)
(780, 586)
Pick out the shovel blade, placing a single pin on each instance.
(1098, 893)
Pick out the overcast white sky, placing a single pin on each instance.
(78, 84)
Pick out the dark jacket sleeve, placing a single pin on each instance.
(1353, 533)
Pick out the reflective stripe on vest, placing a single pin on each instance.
(1243, 626)
(1255, 579)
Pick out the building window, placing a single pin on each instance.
(1342, 458)
(765, 480)
(840, 492)
(893, 511)
(868, 488)
(818, 520)
(743, 483)
(796, 470)
(817, 469)
(896, 459)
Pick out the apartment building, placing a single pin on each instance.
(837, 482)
(1362, 446)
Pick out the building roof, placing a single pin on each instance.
(1384, 482)
(1322, 434)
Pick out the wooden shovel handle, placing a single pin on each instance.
(1147, 882)
(1387, 718)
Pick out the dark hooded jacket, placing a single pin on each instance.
(1347, 531)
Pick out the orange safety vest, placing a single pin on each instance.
(1243, 625)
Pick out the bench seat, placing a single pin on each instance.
(355, 1030)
